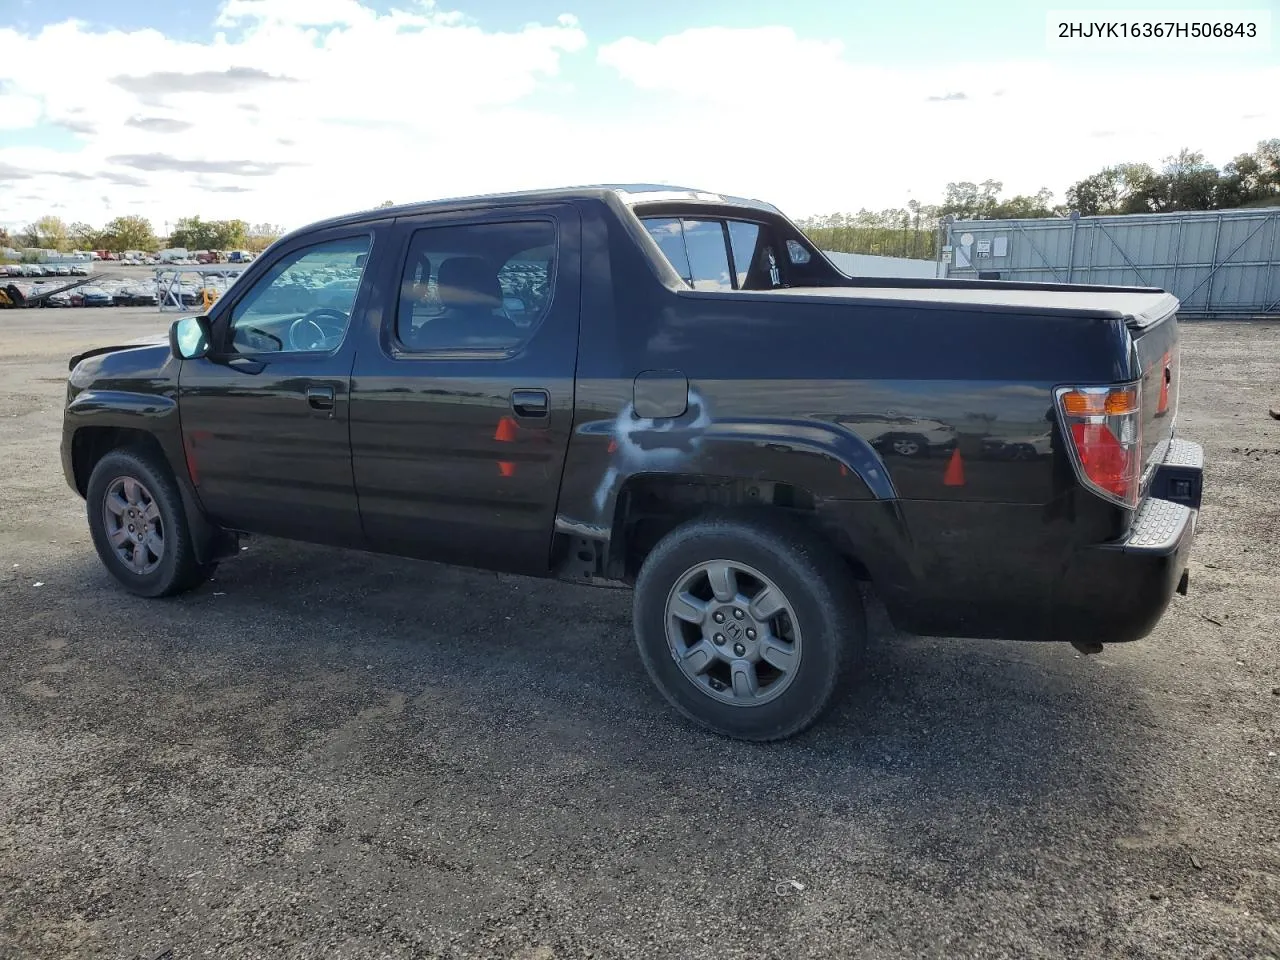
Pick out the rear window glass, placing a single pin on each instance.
(743, 238)
(715, 254)
(708, 255)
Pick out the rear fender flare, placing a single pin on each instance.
(827, 460)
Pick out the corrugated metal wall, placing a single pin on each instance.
(1219, 263)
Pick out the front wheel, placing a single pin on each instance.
(138, 525)
(749, 626)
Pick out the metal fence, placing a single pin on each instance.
(1219, 263)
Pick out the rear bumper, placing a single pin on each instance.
(1116, 592)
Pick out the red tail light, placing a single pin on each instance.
(1104, 425)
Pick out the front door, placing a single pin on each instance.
(460, 417)
(265, 417)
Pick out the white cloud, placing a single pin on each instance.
(18, 111)
(299, 13)
(299, 109)
(767, 108)
(308, 120)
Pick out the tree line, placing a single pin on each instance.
(1185, 181)
(137, 233)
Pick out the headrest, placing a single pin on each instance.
(468, 282)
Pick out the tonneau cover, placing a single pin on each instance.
(1143, 307)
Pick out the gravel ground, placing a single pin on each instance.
(333, 754)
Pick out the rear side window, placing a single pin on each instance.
(743, 238)
(716, 254)
(481, 286)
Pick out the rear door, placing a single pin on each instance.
(461, 415)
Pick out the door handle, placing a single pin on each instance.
(321, 398)
(532, 404)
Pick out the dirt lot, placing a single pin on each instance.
(333, 754)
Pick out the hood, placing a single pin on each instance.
(149, 341)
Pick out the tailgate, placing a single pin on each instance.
(1156, 344)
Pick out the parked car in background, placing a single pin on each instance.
(905, 436)
(1023, 447)
(139, 296)
(96, 297)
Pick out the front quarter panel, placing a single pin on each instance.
(133, 388)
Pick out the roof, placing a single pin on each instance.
(630, 194)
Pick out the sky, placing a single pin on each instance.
(288, 111)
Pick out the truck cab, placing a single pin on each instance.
(675, 391)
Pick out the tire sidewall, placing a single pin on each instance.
(127, 464)
(825, 642)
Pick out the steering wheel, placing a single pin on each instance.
(317, 329)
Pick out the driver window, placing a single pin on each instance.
(303, 304)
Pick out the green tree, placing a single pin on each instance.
(82, 236)
(227, 234)
(191, 233)
(971, 201)
(129, 233)
(262, 235)
(1251, 177)
(196, 234)
(48, 233)
(1123, 188)
(896, 232)
(1024, 207)
(1187, 182)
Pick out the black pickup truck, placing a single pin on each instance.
(673, 390)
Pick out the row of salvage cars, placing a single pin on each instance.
(17, 270)
(116, 293)
(98, 297)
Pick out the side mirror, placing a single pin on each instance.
(190, 338)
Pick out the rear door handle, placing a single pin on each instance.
(321, 398)
(531, 404)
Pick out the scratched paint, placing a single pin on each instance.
(647, 444)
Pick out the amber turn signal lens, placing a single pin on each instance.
(1113, 403)
(1122, 401)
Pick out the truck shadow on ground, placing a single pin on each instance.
(292, 645)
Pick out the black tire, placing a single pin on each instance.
(820, 588)
(914, 440)
(177, 569)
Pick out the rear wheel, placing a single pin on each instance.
(749, 626)
(138, 525)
